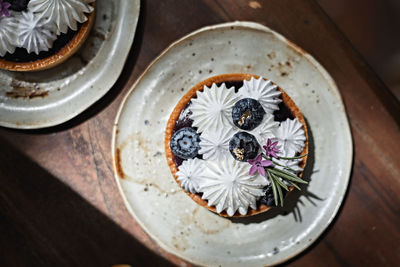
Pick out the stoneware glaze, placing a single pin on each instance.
(162, 208)
(30, 100)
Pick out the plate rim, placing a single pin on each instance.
(253, 26)
(45, 123)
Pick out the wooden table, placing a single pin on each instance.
(59, 204)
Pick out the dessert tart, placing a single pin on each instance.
(40, 34)
(236, 144)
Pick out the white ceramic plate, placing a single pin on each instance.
(50, 97)
(166, 213)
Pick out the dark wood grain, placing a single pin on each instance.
(59, 205)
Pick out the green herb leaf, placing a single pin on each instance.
(288, 168)
(279, 182)
(274, 191)
(295, 185)
(279, 193)
(298, 157)
(288, 176)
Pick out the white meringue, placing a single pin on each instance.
(212, 109)
(228, 186)
(214, 144)
(64, 13)
(8, 37)
(190, 174)
(35, 34)
(290, 136)
(264, 130)
(263, 91)
(292, 165)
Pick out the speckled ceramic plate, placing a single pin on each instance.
(166, 213)
(50, 97)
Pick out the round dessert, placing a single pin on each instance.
(40, 34)
(237, 144)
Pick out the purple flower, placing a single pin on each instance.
(258, 165)
(270, 148)
(4, 8)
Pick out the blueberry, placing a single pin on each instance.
(185, 143)
(268, 197)
(18, 5)
(243, 146)
(247, 114)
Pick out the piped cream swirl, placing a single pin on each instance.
(212, 109)
(190, 174)
(8, 37)
(214, 144)
(64, 13)
(35, 34)
(264, 91)
(265, 129)
(290, 136)
(228, 186)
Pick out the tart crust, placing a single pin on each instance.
(59, 57)
(182, 104)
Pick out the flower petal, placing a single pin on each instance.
(253, 170)
(261, 170)
(252, 161)
(266, 163)
(268, 142)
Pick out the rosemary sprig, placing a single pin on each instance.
(294, 185)
(298, 157)
(283, 166)
(275, 175)
(274, 191)
(280, 194)
(287, 175)
(279, 175)
(279, 182)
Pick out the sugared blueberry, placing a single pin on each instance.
(18, 5)
(247, 114)
(185, 143)
(243, 146)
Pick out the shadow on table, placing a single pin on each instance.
(292, 201)
(45, 223)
